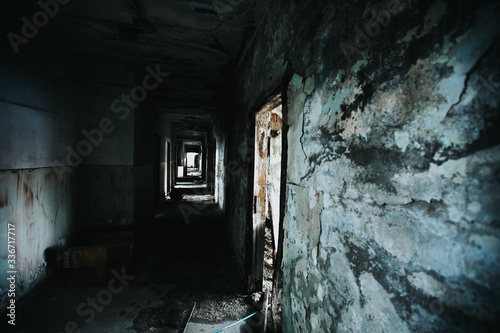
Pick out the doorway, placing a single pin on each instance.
(168, 166)
(157, 168)
(267, 195)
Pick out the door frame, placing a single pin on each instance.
(255, 237)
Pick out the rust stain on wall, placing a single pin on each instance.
(262, 152)
(31, 232)
(4, 199)
(19, 184)
(262, 197)
(28, 193)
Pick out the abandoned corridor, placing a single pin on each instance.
(325, 166)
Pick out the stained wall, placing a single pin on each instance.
(37, 118)
(391, 218)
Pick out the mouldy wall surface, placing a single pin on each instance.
(391, 218)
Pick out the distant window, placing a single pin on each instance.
(193, 160)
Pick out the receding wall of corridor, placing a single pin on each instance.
(37, 196)
(69, 159)
(392, 185)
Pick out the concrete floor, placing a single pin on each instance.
(182, 264)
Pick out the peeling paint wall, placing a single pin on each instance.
(391, 218)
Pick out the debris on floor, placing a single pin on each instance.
(183, 264)
(198, 262)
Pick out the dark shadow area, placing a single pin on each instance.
(192, 253)
(184, 261)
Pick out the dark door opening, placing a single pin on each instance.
(158, 187)
(168, 166)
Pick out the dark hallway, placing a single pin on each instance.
(185, 265)
(283, 166)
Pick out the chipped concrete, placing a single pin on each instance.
(391, 218)
(400, 147)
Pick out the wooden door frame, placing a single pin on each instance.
(255, 236)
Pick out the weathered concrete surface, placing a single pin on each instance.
(391, 219)
(106, 174)
(47, 192)
(41, 206)
(95, 103)
(237, 170)
(36, 121)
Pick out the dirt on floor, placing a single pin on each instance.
(179, 259)
(267, 283)
(196, 259)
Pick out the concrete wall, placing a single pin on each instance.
(238, 168)
(68, 158)
(391, 219)
(105, 174)
(105, 195)
(116, 177)
(143, 164)
(37, 120)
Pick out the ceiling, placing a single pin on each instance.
(195, 41)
